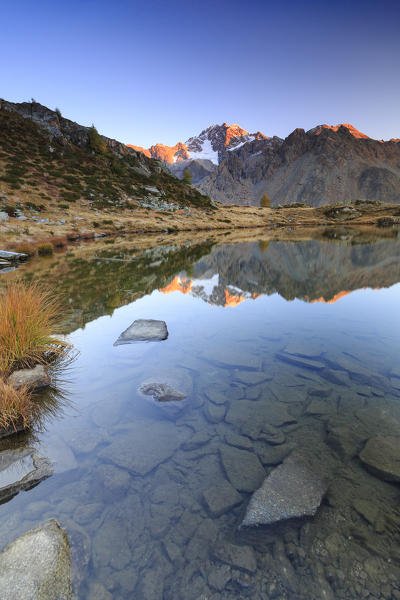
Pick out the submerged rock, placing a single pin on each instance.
(34, 379)
(21, 469)
(221, 498)
(243, 468)
(162, 392)
(144, 445)
(143, 330)
(291, 490)
(300, 361)
(37, 565)
(165, 396)
(240, 557)
(381, 456)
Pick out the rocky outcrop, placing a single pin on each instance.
(324, 165)
(34, 379)
(60, 128)
(37, 566)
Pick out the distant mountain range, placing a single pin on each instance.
(324, 165)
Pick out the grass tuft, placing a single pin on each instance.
(15, 406)
(45, 249)
(29, 318)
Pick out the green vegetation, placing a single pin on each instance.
(96, 142)
(187, 177)
(45, 249)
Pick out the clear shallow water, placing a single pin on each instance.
(300, 338)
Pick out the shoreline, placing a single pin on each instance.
(55, 227)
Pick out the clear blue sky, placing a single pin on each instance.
(147, 71)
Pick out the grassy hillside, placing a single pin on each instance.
(39, 171)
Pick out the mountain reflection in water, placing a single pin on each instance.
(275, 353)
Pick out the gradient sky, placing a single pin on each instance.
(161, 71)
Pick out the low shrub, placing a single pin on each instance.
(45, 249)
(29, 318)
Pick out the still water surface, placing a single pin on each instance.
(279, 348)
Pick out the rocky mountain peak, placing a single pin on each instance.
(346, 126)
(211, 144)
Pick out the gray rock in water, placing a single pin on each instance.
(291, 490)
(143, 330)
(35, 379)
(21, 469)
(37, 565)
(381, 456)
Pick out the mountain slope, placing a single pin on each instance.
(47, 160)
(325, 165)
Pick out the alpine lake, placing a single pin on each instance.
(275, 349)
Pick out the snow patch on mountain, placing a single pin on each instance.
(206, 153)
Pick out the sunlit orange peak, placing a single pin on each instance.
(178, 284)
(231, 300)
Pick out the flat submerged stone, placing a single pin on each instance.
(145, 445)
(143, 330)
(243, 468)
(381, 456)
(221, 498)
(291, 490)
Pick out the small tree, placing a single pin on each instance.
(265, 201)
(96, 142)
(187, 177)
(58, 112)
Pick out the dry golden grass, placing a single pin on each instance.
(29, 318)
(15, 406)
(25, 248)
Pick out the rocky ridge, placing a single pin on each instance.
(324, 165)
(327, 164)
(211, 144)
